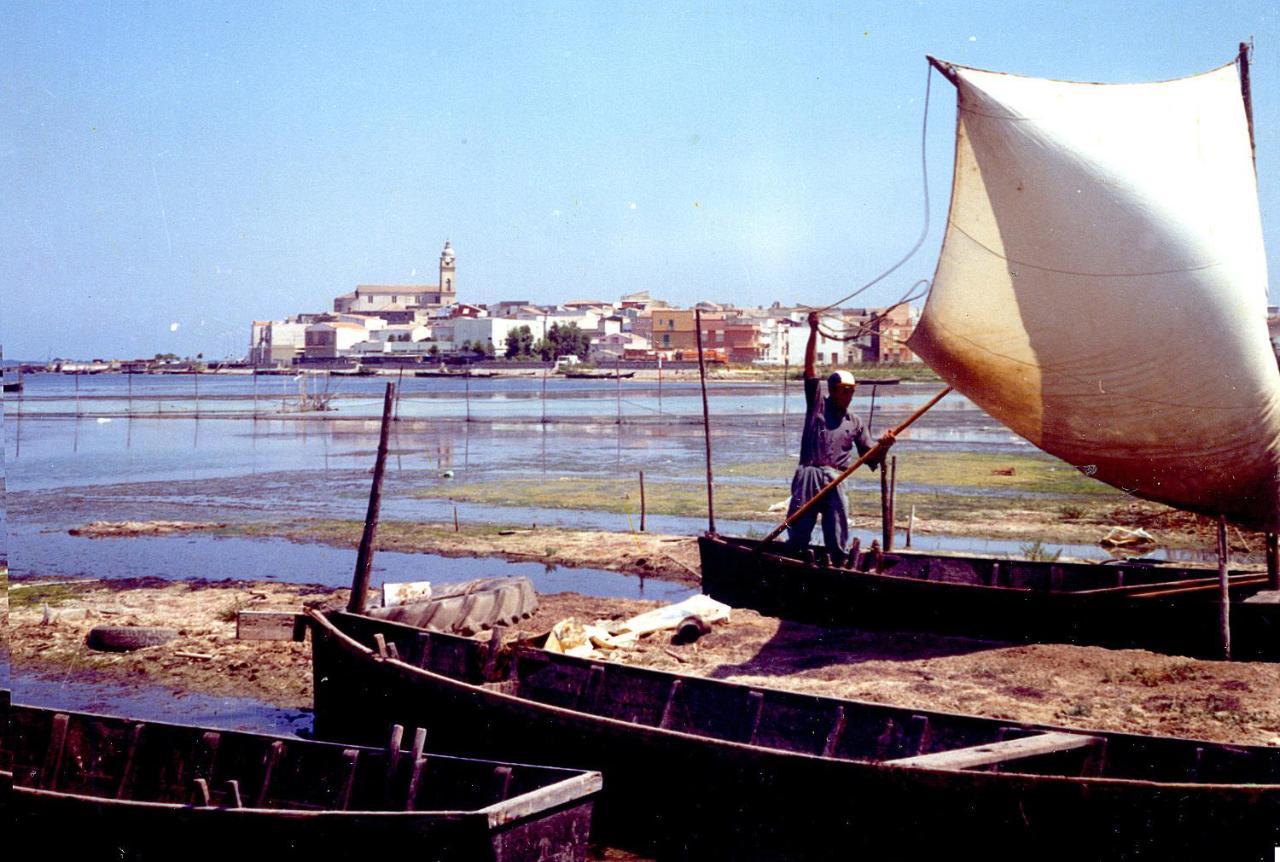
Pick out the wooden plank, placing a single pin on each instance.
(351, 758)
(668, 711)
(269, 761)
(501, 783)
(270, 626)
(393, 761)
(1000, 752)
(53, 757)
(590, 692)
(404, 593)
(754, 712)
(125, 787)
(837, 731)
(921, 731)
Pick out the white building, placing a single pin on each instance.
(335, 338)
(614, 346)
(276, 342)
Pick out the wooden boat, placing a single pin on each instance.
(710, 769)
(101, 787)
(599, 375)
(1042, 313)
(1169, 608)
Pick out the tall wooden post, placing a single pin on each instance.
(642, 501)
(544, 401)
(399, 390)
(1273, 561)
(706, 423)
(1224, 592)
(659, 384)
(893, 493)
(364, 556)
(786, 372)
(617, 374)
(1246, 93)
(466, 382)
(195, 382)
(886, 508)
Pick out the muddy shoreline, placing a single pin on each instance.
(1085, 687)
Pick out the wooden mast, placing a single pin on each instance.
(706, 424)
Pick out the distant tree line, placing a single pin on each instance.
(567, 340)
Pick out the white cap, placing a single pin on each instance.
(841, 378)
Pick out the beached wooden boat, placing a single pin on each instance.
(599, 375)
(97, 787)
(711, 769)
(1163, 607)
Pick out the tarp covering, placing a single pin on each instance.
(1102, 286)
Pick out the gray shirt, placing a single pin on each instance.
(827, 440)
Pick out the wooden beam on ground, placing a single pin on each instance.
(996, 753)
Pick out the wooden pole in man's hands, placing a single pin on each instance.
(364, 556)
(848, 471)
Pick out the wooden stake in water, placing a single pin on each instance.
(659, 384)
(706, 424)
(466, 381)
(786, 372)
(544, 398)
(642, 501)
(399, 390)
(364, 556)
(617, 374)
(911, 523)
(1224, 592)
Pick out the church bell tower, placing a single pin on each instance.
(448, 276)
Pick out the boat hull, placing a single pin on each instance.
(1159, 608)
(110, 788)
(731, 788)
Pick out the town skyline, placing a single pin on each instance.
(175, 172)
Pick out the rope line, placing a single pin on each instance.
(924, 173)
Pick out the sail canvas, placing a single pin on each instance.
(1102, 284)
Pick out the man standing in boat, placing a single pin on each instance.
(830, 434)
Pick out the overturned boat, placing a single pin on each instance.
(701, 768)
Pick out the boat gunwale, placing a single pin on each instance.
(743, 545)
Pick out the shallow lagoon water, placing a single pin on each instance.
(159, 704)
(184, 557)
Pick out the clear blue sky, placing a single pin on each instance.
(208, 164)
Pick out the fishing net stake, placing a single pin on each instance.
(848, 471)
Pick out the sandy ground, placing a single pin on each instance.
(1086, 687)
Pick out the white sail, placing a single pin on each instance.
(1102, 285)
